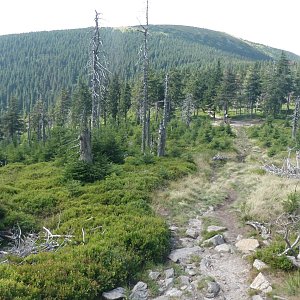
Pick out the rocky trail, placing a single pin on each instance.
(210, 244)
(213, 266)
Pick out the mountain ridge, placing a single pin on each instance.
(39, 64)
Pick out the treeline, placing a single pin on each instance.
(263, 87)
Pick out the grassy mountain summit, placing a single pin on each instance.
(39, 64)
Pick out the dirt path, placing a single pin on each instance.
(193, 204)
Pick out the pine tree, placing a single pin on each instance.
(125, 100)
(81, 115)
(62, 108)
(12, 124)
(114, 95)
(252, 87)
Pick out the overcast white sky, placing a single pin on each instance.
(274, 23)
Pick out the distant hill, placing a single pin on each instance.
(39, 64)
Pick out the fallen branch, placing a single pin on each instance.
(261, 228)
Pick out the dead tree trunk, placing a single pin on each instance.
(29, 130)
(162, 134)
(85, 146)
(145, 104)
(296, 117)
(98, 73)
(187, 109)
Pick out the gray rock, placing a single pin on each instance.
(247, 245)
(139, 292)
(259, 265)
(173, 228)
(215, 240)
(179, 255)
(174, 293)
(185, 280)
(169, 282)
(191, 272)
(192, 232)
(213, 289)
(162, 298)
(187, 242)
(195, 223)
(118, 293)
(257, 297)
(215, 228)
(154, 275)
(223, 248)
(169, 273)
(260, 283)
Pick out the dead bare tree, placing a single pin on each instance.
(187, 109)
(145, 104)
(288, 169)
(98, 73)
(162, 134)
(296, 117)
(289, 224)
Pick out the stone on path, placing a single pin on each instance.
(215, 240)
(181, 254)
(169, 273)
(260, 283)
(154, 275)
(213, 289)
(213, 228)
(139, 292)
(247, 245)
(192, 233)
(223, 248)
(118, 293)
(259, 265)
(174, 293)
(257, 297)
(185, 280)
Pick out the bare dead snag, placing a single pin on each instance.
(145, 104)
(162, 134)
(288, 224)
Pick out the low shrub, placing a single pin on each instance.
(269, 255)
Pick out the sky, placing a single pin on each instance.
(275, 23)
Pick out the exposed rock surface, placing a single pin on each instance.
(115, 294)
(259, 265)
(215, 240)
(181, 254)
(247, 245)
(215, 228)
(261, 283)
(139, 292)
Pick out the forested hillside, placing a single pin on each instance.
(38, 65)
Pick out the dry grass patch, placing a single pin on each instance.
(265, 202)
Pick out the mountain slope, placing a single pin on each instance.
(39, 64)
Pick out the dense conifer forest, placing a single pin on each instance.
(77, 170)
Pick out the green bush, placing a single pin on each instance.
(292, 204)
(122, 233)
(269, 255)
(87, 172)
